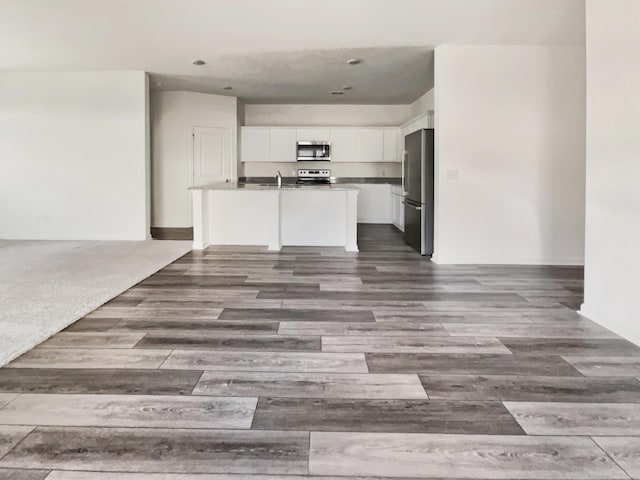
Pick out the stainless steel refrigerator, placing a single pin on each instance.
(417, 180)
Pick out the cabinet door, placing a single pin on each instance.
(321, 134)
(374, 203)
(343, 145)
(283, 145)
(255, 144)
(398, 211)
(304, 134)
(391, 145)
(370, 145)
(395, 199)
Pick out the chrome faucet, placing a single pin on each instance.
(279, 178)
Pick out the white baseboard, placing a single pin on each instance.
(582, 311)
(376, 220)
(561, 262)
(586, 312)
(79, 238)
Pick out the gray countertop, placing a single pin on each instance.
(336, 187)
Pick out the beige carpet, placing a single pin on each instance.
(47, 285)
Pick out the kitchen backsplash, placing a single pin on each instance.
(289, 169)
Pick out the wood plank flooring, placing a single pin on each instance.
(312, 363)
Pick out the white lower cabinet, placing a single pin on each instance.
(397, 207)
(374, 203)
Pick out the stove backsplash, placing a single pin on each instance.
(342, 170)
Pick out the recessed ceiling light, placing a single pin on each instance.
(227, 88)
(337, 92)
(347, 87)
(354, 61)
(198, 62)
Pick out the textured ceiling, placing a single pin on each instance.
(386, 75)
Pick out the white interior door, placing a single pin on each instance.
(212, 159)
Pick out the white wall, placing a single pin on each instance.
(73, 156)
(423, 104)
(327, 115)
(612, 258)
(510, 126)
(240, 121)
(422, 113)
(173, 116)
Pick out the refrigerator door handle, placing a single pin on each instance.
(405, 165)
(412, 206)
(404, 161)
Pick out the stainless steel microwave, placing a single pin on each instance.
(313, 151)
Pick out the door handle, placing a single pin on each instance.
(404, 160)
(405, 170)
(412, 206)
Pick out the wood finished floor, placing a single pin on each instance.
(313, 363)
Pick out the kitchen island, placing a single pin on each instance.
(293, 215)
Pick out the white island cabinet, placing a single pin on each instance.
(233, 214)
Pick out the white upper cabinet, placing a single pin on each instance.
(313, 134)
(348, 144)
(255, 144)
(283, 145)
(391, 136)
(265, 144)
(304, 134)
(364, 145)
(370, 144)
(322, 135)
(343, 145)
